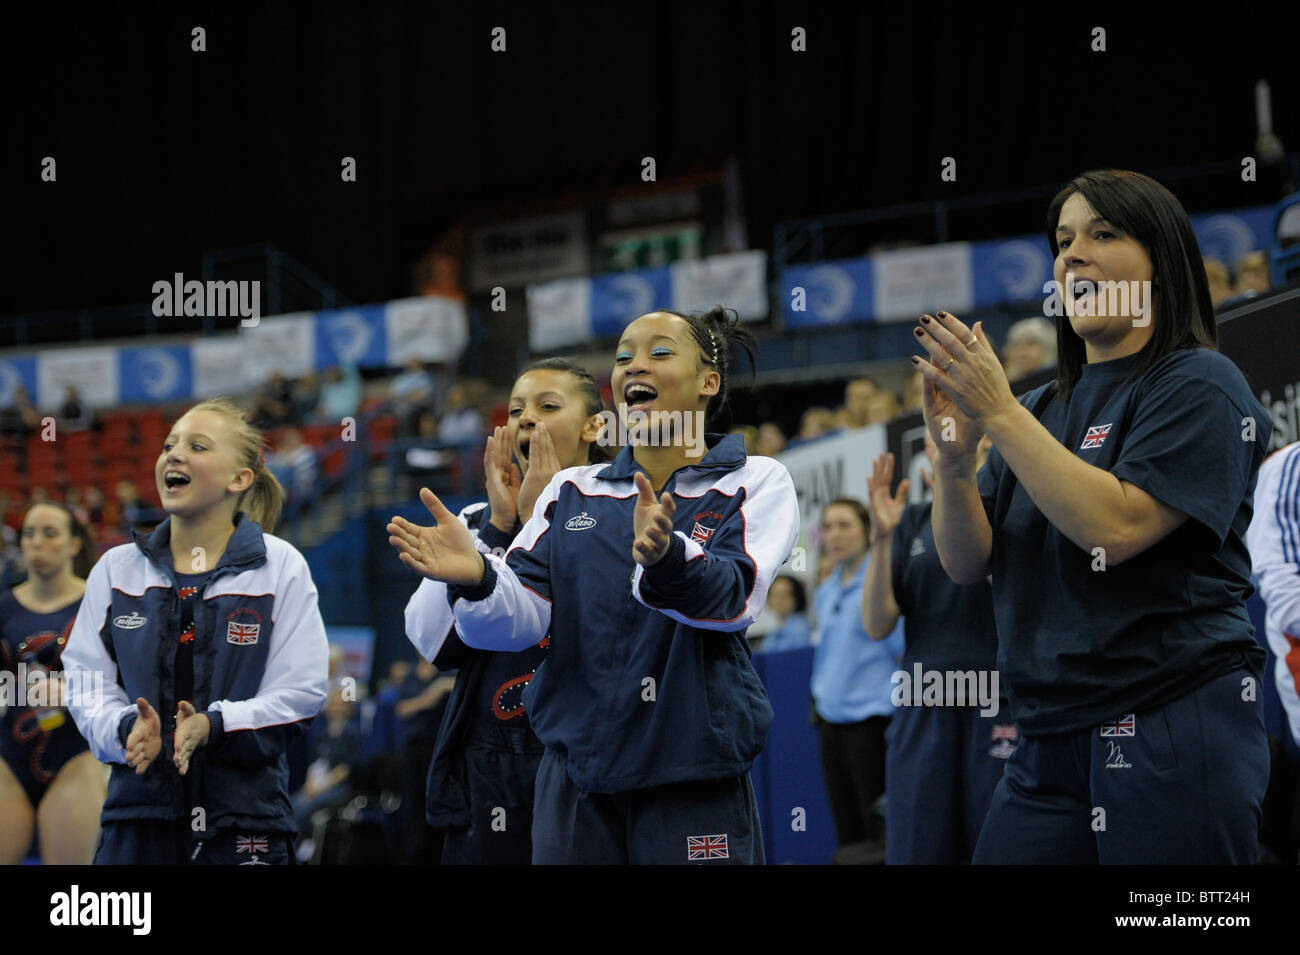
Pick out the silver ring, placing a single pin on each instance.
(974, 340)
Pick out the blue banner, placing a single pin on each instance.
(833, 293)
(619, 297)
(15, 372)
(1227, 236)
(351, 336)
(147, 375)
(1011, 270)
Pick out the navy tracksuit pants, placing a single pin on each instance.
(1180, 784)
(498, 770)
(942, 763)
(162, 842)
(713, 821)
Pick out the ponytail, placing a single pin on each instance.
(715, 331)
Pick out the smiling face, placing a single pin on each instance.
(843, 536)
(197, 469)
(658, 367)
(1090, 249)
(550, 396)
(48, 542)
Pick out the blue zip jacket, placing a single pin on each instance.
(648, 680)
(260, 669)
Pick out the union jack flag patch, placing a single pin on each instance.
(1095, 436)
(1124, 726)
(706, 847)
(251, 844)
(701, 534)
(242, 634)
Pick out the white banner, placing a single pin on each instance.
(736, 281)
(909, 282)
(283, 343)
(219, 367)
(822, 471)
(430, 329)
(559, 314)
(92, 371)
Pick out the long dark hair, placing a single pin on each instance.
(1180, 298)
(715, 331)
(586, 386)
(83, 559)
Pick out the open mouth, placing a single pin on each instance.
(175, 479)
(639, 396)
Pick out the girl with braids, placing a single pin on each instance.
(486, 755)
(49, 782)
(646, 573)
(212, 655)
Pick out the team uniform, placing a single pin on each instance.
(246, 644)
(486, 756)
(943, 762)
(1274, 541)
(647, 702)
(851, 705)
(35, 741)
(1142, 738)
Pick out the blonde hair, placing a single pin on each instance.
(264, 498)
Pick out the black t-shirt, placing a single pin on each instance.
(187, 589)
(946, 626)
(1078, 646)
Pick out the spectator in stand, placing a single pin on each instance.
(1252, 275)
(74, 414)
(305, 395)
(788, 600)
(423, 694)
(771, 439)
(461, 423)
(857, 402)
(94, 507)
(337, 751)
(913, 392)
(815, 423)
(881, 407)
(1220, 282)
(294, 465)
(273, 404)
(340, 395)
(135, 512)
(851, 686)
(1031, 347)
(413, 391)
(750, 434)
(19, 419)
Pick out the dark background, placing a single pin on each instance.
(163, 152)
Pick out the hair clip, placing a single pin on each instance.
(714, 342)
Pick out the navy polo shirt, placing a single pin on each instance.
(946, 626)
(1080, 645)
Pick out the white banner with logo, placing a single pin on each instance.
(219, 367)
(823, 470)
(736, 281)
(559, 314)
(283, 343)
(430, 329)
(909, 282)
(92, 371)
